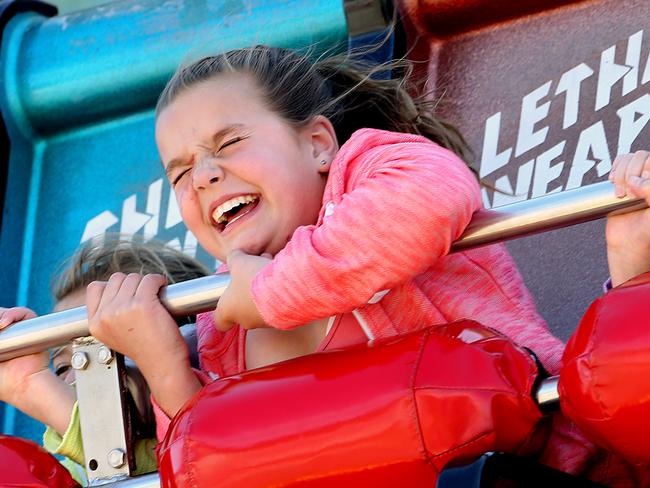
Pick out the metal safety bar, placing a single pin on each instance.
(41, 333)
(544, 213)
(151, 480)
(487, 226)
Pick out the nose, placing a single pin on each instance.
(205, 173)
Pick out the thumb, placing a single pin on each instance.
(12, 315)
(221, 322)
(234, 256)
(640, 185)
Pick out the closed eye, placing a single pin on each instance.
(223, 146)
(180, 175)
(230, 142)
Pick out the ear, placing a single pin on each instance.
(320, 136)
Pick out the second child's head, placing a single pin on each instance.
(247, 138)
(97, 260)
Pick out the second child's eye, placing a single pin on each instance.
(62, 370)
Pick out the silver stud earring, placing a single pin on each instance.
(323, 162)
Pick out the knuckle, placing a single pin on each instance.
(621, 160)
(127, 307)
(138, 307)
(95, 286)
(116, 277)
(153, 279)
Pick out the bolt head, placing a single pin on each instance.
(104, 355)
(79, 360)
(116, 458)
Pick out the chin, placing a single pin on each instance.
(258, 244)
(254, 248)
(276, 245)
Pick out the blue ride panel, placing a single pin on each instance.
(77, 94)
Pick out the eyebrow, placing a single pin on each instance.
(216, 138)
(175, 163)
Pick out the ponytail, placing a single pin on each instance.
(363, 97)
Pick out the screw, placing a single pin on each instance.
(79, 360)
(104, 355)
(116, 458)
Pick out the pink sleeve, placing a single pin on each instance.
(393, 222)
(162, 419)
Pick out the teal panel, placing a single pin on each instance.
(119, 56)
(77, 94)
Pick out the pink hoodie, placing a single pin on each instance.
(393, 205)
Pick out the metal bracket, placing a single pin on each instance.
(103, 413)
(375, 29)
(366, 16)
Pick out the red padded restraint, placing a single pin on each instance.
(605, 381)
(401, 409)
(25, 464)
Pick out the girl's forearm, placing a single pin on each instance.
(47, 399)
(172, 387)
(625, 264)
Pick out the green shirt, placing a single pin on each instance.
(71, 447)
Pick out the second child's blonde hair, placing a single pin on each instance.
(97, 260)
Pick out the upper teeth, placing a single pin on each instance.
(218, 214)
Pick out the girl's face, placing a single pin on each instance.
(243, 177)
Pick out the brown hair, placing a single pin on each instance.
(97, 260)
(350, 93)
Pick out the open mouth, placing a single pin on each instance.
(234, 209)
